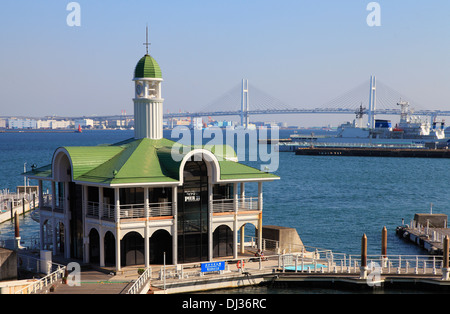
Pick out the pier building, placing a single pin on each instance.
(147, 200)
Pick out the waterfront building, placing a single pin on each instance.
(53, 124)
(147, 198)
(84, 123)
(15, 123)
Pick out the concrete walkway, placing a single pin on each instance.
(95, 282)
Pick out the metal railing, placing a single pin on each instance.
(342, 263)
(138, 210)
(106, 212)
(431, 232)
(129, 210)
(227, 205)
(93, 209)
(55, 272)
(139, 284)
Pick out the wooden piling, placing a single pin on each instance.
(445, 252)
(445, 269)
(384, 242)
(364, 251)
(16, 226)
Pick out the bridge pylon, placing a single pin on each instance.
(372, 101)
(244, 104)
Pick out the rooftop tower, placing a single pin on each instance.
(148, 102)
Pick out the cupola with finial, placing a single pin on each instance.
(148, 102)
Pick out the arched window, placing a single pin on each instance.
(222, 241)
(160, 243)
(94, 246)
(132, 248)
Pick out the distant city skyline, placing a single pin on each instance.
(302, 52)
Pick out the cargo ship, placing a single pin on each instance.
(412, 132)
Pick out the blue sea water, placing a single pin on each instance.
(331, 201)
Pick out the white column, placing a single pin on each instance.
(243, 227)
(260, 208)
(235, 229)
(54, 227)
(66, 211)
(175, 225)
(41, 193)
(146, 233)
(53, 196)
(242, 239)
(145, 83)
(41, 234)
(148, 115)
(84, 197)
(210, 209)
(117, 218)
(101, 235)
(242, 191)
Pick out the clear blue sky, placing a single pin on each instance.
(303, 52)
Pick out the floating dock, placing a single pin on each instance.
(374, 152)
(427, 231)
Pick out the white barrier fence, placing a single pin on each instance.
(55, 272)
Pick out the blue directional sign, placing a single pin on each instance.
(213, 266)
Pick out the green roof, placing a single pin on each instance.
(230, 170)
(44, 172)
(145, 161)
(147, 67)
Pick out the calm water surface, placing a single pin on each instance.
(330, 201)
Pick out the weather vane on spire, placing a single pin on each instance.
(146, 42)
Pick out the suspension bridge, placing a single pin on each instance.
(245, 100)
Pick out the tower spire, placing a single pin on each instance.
(146, 39)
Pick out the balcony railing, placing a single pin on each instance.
(132, 211)
(227, 205)
(92, 209)
(128, 211)
(138, 210)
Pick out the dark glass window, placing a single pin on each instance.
(193, 213)
(92, 194)
(76, 221)
(130, 196)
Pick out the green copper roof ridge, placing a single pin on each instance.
(84, 163)
(147, 67)
(120, 159)
(138, 161)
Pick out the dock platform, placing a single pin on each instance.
(430, 239)
(374, 152)
(275, 271)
